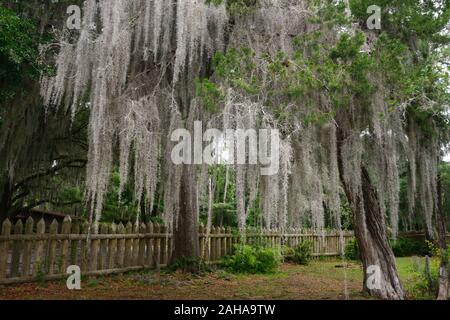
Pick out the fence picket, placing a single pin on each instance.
(112, 250)
(74, 245)
(128, 246)
(38, 266)
(95, 247)
(150, 250)
(26, 263)
(163, 250)
(84, 248)
(103, 248)
(4, 248)
(223, 247)
(52, 247)
(157, 248)
(17, 250)
(229, 240)
(65, 245)
(121, 246)
(140, 260)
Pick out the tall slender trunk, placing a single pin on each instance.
(444, 274)
(371, 235)
(186, 241)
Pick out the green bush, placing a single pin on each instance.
(405, 247)
(287, 253)
(351, 250)
(423, 285)
(303, 252)
(252, 259)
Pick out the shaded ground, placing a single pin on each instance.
(319, 280)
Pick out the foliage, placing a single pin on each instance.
(423, 285)
(303, 253)
(408, 18)
(287, 252)
(209, 93)
(18, 52)
(444, 171)
(121, 207)
(252, 259)
(405, 247)
(351, 251)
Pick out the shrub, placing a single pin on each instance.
(351, 250)
(423, 285)
(405, 247)
(287, 253)
(252, 259)
(302, 252)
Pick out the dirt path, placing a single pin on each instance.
(319, 280)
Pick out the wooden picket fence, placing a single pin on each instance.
(30, 251)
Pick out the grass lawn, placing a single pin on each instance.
(321, 279)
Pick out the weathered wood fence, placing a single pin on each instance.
(35, 251)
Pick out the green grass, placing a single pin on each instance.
(411, 273)
(320, 279)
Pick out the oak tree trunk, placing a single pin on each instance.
(186, 241)
(444, 274)
(371, 236)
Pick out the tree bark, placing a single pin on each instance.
(186, 241)
(371, 235)
(444, 273)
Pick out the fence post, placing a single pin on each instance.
(52, 247)
(17, 249)
(112, 247)
(66, 226)
(141, 256)
(149, 260)
(39, 259)
(4, 248)
(27, 248)
(121, 246)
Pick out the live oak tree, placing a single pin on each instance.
(356, 108)
(40, 148)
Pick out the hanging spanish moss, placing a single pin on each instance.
(133, 64)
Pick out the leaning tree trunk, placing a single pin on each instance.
(186, 242)
(444, 274)
(371, 236)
